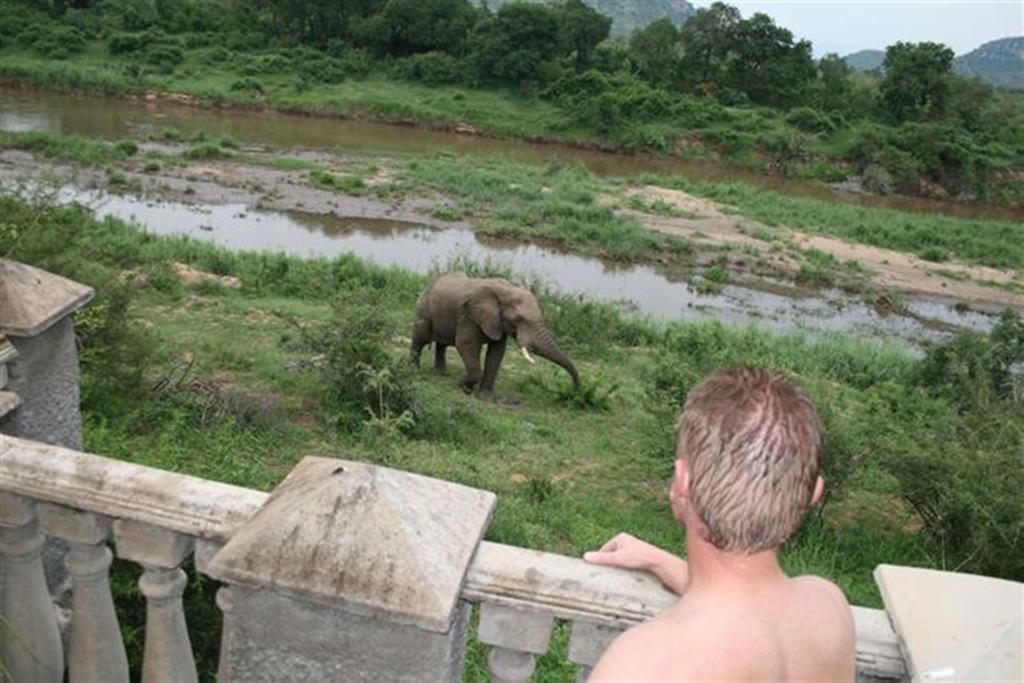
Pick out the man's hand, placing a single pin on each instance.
(629, 552)
(626, 551)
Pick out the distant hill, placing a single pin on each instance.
(627, 15)
(866, 60)
(1000, 62)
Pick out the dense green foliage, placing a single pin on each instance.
(741, 88)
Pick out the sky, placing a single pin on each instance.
(845, 26)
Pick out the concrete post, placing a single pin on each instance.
(35, 315)
(39, 389)
(350, 572)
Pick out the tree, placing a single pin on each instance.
(767, 64)
(916, 82)
(409, 26)
(707, 39)
(654, 50)
(834, 87)
(584, 28)
(518, 43)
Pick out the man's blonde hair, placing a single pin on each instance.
(753, 443)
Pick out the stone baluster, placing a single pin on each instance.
(517, 636)
(30, 647)
(97, 651)
(168, 652)
(587, 643)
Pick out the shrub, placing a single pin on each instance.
(363, 381)
(127, 147)
(207, 150)
(164, 57)
(432, 68)
(316, 66)
(810, 120)
(218, 55)
(126, 43)
(54, 41)
(247, 85)
(976, 369)
(265, 64)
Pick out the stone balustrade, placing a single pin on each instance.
(333, 576)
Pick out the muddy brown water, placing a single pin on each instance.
(31, 110)
(643, 289)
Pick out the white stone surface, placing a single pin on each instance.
(31, 300)
(370, 540)
(30, 646)
(959, 627)
(178, 502)
(515, 628)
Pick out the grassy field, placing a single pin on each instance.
(243, 401)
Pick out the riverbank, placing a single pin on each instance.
(756, 141)
(719, 232)
(238, 384)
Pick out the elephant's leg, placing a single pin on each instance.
(422, 334)
(495, 352)
(468, 341)
(440, 364)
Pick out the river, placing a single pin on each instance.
(34, 110)
(648, 290)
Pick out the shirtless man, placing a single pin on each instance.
(746, 472)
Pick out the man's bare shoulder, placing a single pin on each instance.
(823, 596)
(670, 648)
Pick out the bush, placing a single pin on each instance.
(975, 369)
(247, 85)
(164, 57)
(54, 41)
(113, 353)
(265, 64)
(432, 68)
(364, 382)
(810, 120)
(126, 43)
(127, 147)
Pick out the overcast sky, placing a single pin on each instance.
(846, 26)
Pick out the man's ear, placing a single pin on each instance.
(819, 491)
(681, 479)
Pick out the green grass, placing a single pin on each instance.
(557, 204)
(569, 469)
(996, 243)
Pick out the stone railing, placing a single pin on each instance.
(370, 578)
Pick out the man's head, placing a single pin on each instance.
(749, 453)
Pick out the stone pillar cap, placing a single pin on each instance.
(370, 540)
(32, 300)
(961, 627)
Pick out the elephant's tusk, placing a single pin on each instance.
(527, 356)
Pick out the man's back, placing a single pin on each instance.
(783, 629)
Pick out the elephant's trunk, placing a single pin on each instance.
(544, 346)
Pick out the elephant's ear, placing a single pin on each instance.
(485, 310)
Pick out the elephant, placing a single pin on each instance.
(471, 312)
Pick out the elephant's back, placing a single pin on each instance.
(446, 293)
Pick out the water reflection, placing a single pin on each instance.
(646, 289)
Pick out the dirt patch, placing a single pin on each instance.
(190, 276)
(888, 269)
(679, 200)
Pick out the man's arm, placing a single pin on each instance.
(628, 552)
